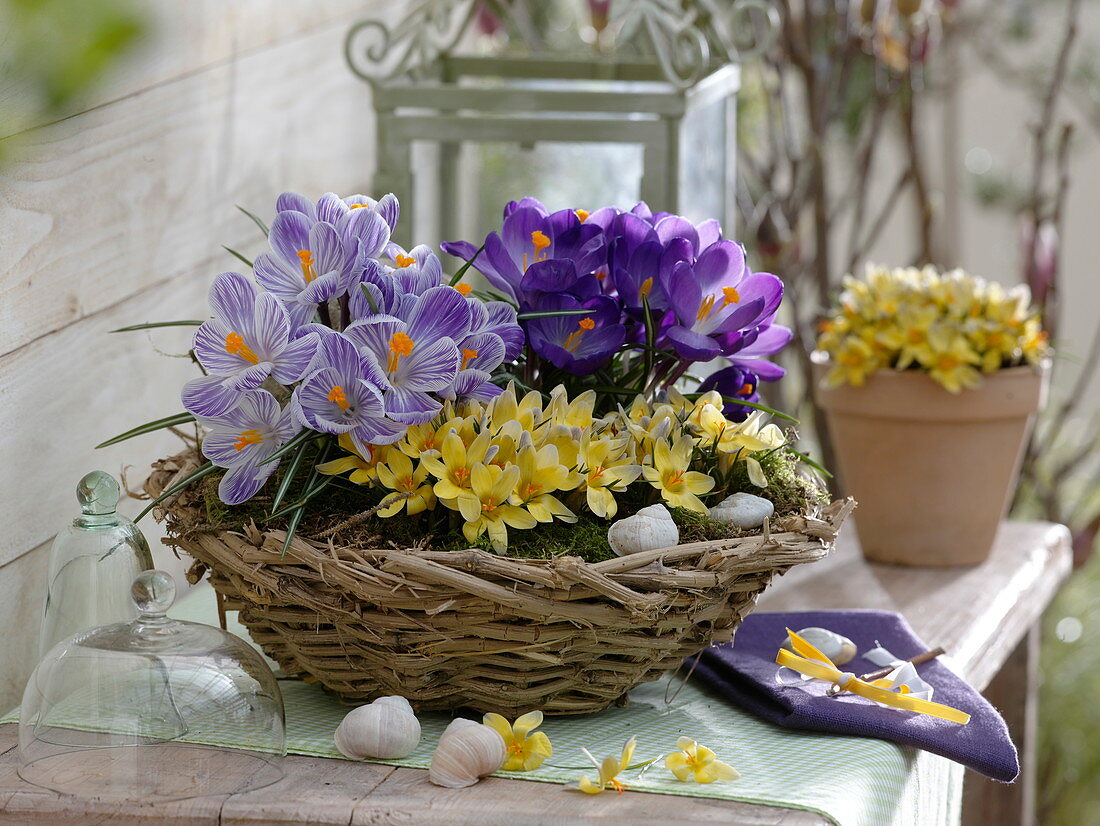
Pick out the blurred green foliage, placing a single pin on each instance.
(1069, 714)
(54, 52)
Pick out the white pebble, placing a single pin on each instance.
(647, 530)
(743, 510)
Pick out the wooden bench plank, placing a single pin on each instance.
(406, 796)
(314, 791)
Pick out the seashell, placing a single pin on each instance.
(467, 751)
(837, 648)
(647, 530)
(385, 729)
(742, 510)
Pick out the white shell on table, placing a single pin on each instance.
(742, 510)
(386, 729)
(467, 752)
(647, 530)
(837, 648)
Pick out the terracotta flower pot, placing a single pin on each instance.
(933, 472)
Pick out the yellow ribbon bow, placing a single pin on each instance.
(807, 660)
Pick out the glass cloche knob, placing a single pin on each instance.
(153, 593)
(98, 493)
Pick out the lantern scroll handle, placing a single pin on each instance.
(429, 29)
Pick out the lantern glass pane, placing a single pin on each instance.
(561, 175)
(706, 166)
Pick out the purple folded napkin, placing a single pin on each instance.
(744, 671)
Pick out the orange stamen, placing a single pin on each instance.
(306, 257)
(359, 206)
(746, 389)
(465, 289)
(731, 296)
(400, 345)
(467, 354)
(573, 340)
(706, 307)
(539, 241)
(235, 346)
(646, 288)
(248, 437)
(404, 260)
(337, 394)
(581, 214)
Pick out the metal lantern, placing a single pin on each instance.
(669, 85)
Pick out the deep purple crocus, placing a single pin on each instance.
(577, 343)
(248, 340)
(417, 355)
(733, 383)
(343, 394)
(715, 299)
(241, 439)
(530, 234)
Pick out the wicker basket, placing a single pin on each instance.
(476, 630)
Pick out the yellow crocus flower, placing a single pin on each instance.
(454, 464)
(418, 439)
(853, 361)
(540, 476)
(575, 413)
(362, 469)
(397, 474)
(953, 362)
(670, 474)
(505, 408)
(486, 505)
(698, 763)
(525, 751)
(609, 771)
(607, 465)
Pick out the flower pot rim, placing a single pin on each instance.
(892, 394)
(821, 361)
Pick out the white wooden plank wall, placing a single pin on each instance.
(115, 216)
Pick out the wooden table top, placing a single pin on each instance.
(978, 614)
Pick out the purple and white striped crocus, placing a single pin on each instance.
(343, 394)
(417, 355)
(241, 439)
(308, 265)
(248, 340)
(335, 210)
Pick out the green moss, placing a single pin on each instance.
(338, 512)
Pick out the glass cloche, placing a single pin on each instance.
(152, 709)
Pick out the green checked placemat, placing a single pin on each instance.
(778, 767)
